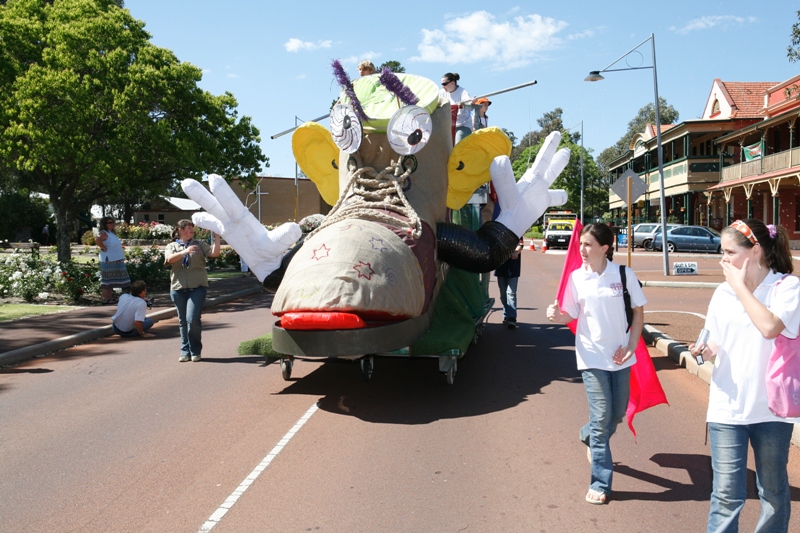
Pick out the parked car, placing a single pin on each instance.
(690, 239)
(643, 233)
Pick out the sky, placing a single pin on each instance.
(275, 57)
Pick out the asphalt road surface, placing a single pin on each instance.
(118, 436)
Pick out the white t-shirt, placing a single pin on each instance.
(738, 393)
(458, 96)
(595, 300)
(129, 310)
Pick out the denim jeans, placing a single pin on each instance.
(461, 132)
(508, 296)
(607, 393)
(189, 303)
(770, 442)
(147, 323)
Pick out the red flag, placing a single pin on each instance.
(646, 390)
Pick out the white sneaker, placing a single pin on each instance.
(196, 358)
(183, 359)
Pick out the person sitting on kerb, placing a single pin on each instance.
(130, 319)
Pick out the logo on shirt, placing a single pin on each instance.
(616, 289)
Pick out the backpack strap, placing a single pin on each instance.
(626, 297)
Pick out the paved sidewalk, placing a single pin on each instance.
(27, 338)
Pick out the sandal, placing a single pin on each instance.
(110, 301)
(596, 497)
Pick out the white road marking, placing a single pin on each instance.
(681, 312)
(214, 519)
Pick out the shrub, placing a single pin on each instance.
(144, 231)
(78, 280)
(227, 258)
(28, 276)
(147, 264)
(87, 238)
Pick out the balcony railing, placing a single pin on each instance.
(771, 163)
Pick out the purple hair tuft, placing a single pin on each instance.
(344, 80)
(392, 83)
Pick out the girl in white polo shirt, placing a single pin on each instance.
(604, 346)
(757, 302)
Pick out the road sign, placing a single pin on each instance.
(638, 186)
(685, 268)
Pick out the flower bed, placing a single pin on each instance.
(29, 276)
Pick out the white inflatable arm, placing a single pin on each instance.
(262, 250)
(523, 202)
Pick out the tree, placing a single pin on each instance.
(21, 209)
(90, 109)
(394, 66)
(646, 115)
(570, 177)
(549, 122)
(510, 135)
(793, 50)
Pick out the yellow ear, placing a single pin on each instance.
(468, 166)
(317, 155)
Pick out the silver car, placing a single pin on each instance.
(643, 233)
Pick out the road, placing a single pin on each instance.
(118, 436)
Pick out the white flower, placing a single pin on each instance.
(44, 295)
(16, 275)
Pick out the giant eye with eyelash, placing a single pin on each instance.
(345, 128)
(409, 130)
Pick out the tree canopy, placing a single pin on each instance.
(525, 153)
(90, 109)
(394, 66)
(646, 115)
(793, 50)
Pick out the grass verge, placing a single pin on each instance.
(16, 311)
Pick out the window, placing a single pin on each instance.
(715, 108)
(146, 217)
(161, 217)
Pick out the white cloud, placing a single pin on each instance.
(480, 37)
(355, 60)
(581, 35)
(705, 23)
(296, 45)
(232, 75)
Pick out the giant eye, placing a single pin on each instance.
(409, 130)
(345, 128)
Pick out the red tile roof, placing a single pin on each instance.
(650, 129)
(747, 97)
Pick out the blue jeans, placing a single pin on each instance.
(770, 442)
(147, 323)
(608, 394)
(461, 132)
(189, 303)
(508, 296)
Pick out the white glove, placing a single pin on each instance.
(262, 250)
(523, 202)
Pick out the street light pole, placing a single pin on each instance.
(595, 76)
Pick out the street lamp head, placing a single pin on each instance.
(594, 76)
